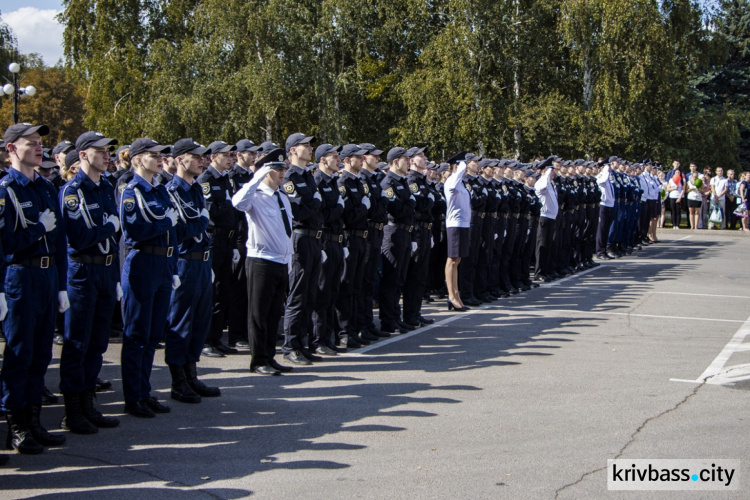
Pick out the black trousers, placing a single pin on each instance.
(467, 265)
(592, 224)
(303, 285)
(416, 275)
(238, 305)
(395, 251)
(579, 236)
(221, 263)
(267, 286)
(486, 249)
(509, 242)
(518, 275)
(438, 256)
(348, 301)
(329, 283)
(497, 251)
(369, 278)
(674, 208)
(602, 231)
(545, 232)
(529, 250)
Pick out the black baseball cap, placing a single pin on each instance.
(217, 147)
(352, 150)
(246, 145)
(267, 147)
(93, 140)
(457, 158)
(274, 159)
(412, 152)
(185, 146)
(298, 138)
(395, 154)
(146, 145)
(47, 161)
(472, 157)
(71, 158)
(325, 149)
(547, 163)
(14, 132)
(371, 149)
(62, 147)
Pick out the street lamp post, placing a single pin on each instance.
(16, 92)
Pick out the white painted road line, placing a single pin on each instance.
(611, 313)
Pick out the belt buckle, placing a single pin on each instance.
(380, 227)
(206, 255)
(341, 238)
(170, 251)
(318, 235)
(429, 226)
(482, 216)
(108, 260)
(44, 262)
(364, 233)
(231, 233)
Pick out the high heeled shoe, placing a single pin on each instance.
(453, 307)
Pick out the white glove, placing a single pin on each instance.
(213, 276)
(118, 292)
(366, 202)
(317, 196)
(484, 191)
(496, 236)
(115, 221)
(412, 198)
(346, 253)
(505, 233)
(430, 196)
(323, 256)
(204, 213)
(63, 304)
(341, 201)
(3, 307)
(48, 220)
(432, 242)
(235, 256)
(176, 282)
(171, 213)
(413, 247)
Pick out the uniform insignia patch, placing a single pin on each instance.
(366, 188)
(206, 187)
(389, 193)
(289, 187)
(2, 206)
(505, 189)
(575, 183)
(342, 190)
(129, 204)
(414, 188)
(130, 219)
(71, 202)
(468, 186)
(122, 188)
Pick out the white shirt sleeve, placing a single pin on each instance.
(243, 199)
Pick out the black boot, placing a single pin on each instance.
(191, 374)
(40, 433)
(19, 435)
(74, 421)
(92, 414)
(181, 391)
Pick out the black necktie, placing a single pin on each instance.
(287, 227)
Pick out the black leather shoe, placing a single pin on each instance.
(225, 349)
(425, 321)
(324, 350)
(155, 406)
(211, 352)
(48, 398)
(265, 370)
(241, 344)
(377, 333)
(611, 255)
(471, 301)
(513, 290)
(58, 339)
(279, 367)
(386, 328)
(486, 298)
(310, 356)
(404, 327)
(297, 358)
(366, 335)
(103, 385)
(412, 322)
(357, 338)
(352, 343)
(139, 410)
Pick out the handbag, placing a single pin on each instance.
(741, 211)
(716, 216)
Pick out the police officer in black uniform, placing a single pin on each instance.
(489, 224)
(467, 266)
(503, 212)
(519, 274)
(511, 227)
(439, 251)
(535, 207)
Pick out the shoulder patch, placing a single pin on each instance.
(206, 187)
(366, 187)
(389, 193)
(468, 186)
(122, 187)
(414, 188)
(2, 206)
(342, 190)
(71, 202)
(505, 189)
(289, 187)
(129, 204)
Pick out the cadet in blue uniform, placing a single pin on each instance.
(190, 309)
(34, 245)
(148, 276)
(91, 223)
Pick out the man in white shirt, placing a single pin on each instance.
(718, 195)
(269, 251)
(545, 190)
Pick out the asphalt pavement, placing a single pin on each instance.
(640, 358)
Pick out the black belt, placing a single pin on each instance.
(426, 225)
(310, 232)
(204, 256)
(44, 262)
(358, 232)
(163, 251)
(494, 215)
(335, 238)
(377, 225)
(405, 227)
(217, 230)
(515, 215)
(478, 214)
(100, 260)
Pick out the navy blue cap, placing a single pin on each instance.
(185, 146)
(121, 149)
(485, 162)
(62, 147)
(547, 163)
(395, 153)
(217, 147)
(613, 159)
(71, 158)
(472, 157)
(432, 165)
(351, 150)
(146, 145)
(382, 165)
(246, 145)
(14, 132)
(371, 149)
(325, 149)
(579, 162)
(274, 159)
(47, 161)
(298, 138)
(412, 152)
(267, 147)
(457, 158)
(443, 167)
(93, 140)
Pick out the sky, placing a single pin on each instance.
(33, 22)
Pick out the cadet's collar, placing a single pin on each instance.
(212, 170)
(140, 180)
(394, 175)
(243, 169)
(180, 182)
(416, 174)
(84, 179)
(470, 177)
(325, 175)
(296, 169)
(19, 177)
(347, 175)
(366, 173)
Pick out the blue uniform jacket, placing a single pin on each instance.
(85, 207)
(191, 229)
